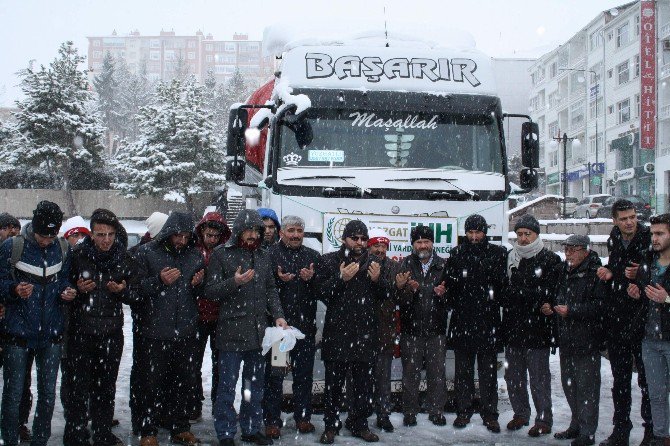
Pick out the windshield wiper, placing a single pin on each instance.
(337, 177)
(473, 195)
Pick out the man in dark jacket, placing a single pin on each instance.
(420, 294)
(378, 244)
(240, 278)
(528, 333)
(104, 273)
(170, 276)
(577, 306)
(651, 287)
(272, 227)
(350, 286)
(33, 292)
(624, 322)
(210, 232)
(293, 268)
(475, 278)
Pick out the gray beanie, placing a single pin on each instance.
(527, 221)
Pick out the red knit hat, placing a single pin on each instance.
(77, 230)
(378, 236)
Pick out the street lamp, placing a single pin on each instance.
(576, 144)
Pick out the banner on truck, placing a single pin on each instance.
(398, 227)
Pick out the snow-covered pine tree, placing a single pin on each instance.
(57, 120)
(177, 154)
(135, 92)
(107, 90)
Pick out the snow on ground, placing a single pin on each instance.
(423, 434)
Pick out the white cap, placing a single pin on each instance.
(73, 222)
(155, 223)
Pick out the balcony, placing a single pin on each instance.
(665, 70)
(664, 32)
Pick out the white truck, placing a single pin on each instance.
(396, 134)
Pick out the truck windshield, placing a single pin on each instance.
(393, 139)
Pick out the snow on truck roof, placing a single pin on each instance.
(361, 60)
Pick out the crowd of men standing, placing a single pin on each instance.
(189, 284)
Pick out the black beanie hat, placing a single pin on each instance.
(529, 222)
(355, 227)
(7, 220)
(476, 222)
(422, 232)
(47, 218)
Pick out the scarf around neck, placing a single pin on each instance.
(523, 252)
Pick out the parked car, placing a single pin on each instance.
(589, 205)
(570, 205)
(642, 207)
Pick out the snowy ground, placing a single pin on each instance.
(423, 434)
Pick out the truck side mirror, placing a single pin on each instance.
(530, 145)
(237, 124)
(528, 178)
(301, 127)
(235, 170)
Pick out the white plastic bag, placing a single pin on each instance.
(287, 338)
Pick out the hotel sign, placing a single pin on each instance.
(647, 74)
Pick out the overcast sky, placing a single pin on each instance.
(33, 29)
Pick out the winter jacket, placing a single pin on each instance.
(644, 278)
(100, 312)
(530, 286)
(244, 309)
(625, 317)
(386, 308)
(208, 310)
(168, 312)
(298, 298)
(350, 328)
(580, 332)
(422, 313)
(38, 320)
(475, 280)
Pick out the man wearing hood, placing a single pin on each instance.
(625, 318)
(272, 226)
(104, 273)
(577, 307)
(529, 334)
(351, 285)
(171, 271)
(33, 291)
(475, 278)
(240, 278)
(210, 232)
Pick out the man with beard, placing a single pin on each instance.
(104, 272)
(420, 293)
(475, 277)
(240, 278)
(210, 232)
(378, 244)
(293, 267)
(529, 334)
(651, 288)
(350, 286)
(624, 321)
(578, 312)
(170, 276)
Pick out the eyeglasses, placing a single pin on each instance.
(358, 237)
(104, 234)
(573, 249)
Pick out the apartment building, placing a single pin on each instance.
(587, 97)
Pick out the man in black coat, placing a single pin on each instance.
(528, 333)
(420, 293)
(628, 244)
(578, 309)
(475, 278)
(171, 271)
(349, 284)
(104, 273)
(293, 269)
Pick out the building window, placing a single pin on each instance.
(230, 46)
(576, 82)
(155, 43)
(577, 114)
(553, 158)
(96, 43)
(209, 47)
(595, 72)
(595, 40)
(595, 143)
(191, 43)
(623, 74)
(637, 65)
(229, 59)
(552, 130)
(191, 55)
(637, 105)
(97, 54)
(532, 104)
(622, 37)
(637, 25)
(209, 58)
(154, 55)
(253, 47)
(610, 109)
(623, 111)
(169, 55)
(595, 108)
(553, 70)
